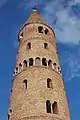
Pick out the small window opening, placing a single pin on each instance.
(22, 34)
(37, 61)
(46, 31)
(45, 45)
(48, 106)
(55, 108)
(31, 62)
(24, 64)
(58, 69)
(8, 117)
(44, 62)
(50, 63)
(16, 70)
(25, 82)
(54, 65)
(29, 45)
(20, 67)
(13, 74)
(11, 90)
(40, 29)
(49, 83)
(10, 111)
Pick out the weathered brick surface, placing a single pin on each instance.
(30, 103)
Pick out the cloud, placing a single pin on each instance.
(77, 1)
(74, 67)
(2, 3)
(67, 26)
(62, 18)
(74, 2)
(70, 62)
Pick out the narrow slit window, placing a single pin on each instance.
(8, 117)
(29, 45)
(25, 82)
(49, 83)
(45, 46)
(48, 106)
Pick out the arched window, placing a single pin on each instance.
(31, 62)
(45, 46)
(24, 64)
(10, 111)
(14, 74)
(55, 108)
(29, 45)
(20, 67)
(21, 34)
(44, 62)
(16, 70)
(40, 29)
(50, 63)
(49, 83)
(37, 61)
(25, 82)
(48, 106)
(58, 69)
(60, 72)
(46, 31)
(54, 66)
(8, 117)
(9, 114)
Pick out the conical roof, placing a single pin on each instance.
(35, 17)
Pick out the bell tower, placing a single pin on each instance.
(37, 89)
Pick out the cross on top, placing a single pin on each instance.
(34, 8)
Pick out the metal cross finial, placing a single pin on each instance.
(34, 8)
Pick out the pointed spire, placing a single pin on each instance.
(35, 17)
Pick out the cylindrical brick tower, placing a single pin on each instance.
(37, 91)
